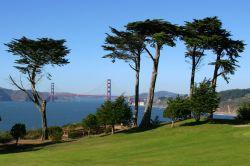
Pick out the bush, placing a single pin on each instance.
(33, 134)
(111, 113)
(74, 134)
(90, 122)
(243, 112)
(178, 108)
(5, 137)
(204, 100)
(18, 131)
(55, 133)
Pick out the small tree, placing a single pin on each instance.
(204, 99)
(90, 122)
(243, 112)
(18, 131)
(111, 113)
(177, 108)
(55, 133)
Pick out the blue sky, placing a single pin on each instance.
(83, 23)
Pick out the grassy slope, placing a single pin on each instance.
(206, 144)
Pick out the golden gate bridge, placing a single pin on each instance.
(108, 96)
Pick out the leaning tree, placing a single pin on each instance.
(196, 35)
(34, 55)
(227, 51)
(127, 46)
(157, 33)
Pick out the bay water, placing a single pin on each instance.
(60, 113)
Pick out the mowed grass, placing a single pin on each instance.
(204, 144)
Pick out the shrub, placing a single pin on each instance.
(204, 100)
(33, 134)
(243, 112)
(178, 108)
(73, 134)
(5, 137)
(55, 133)
(18, 131)
(90, 122)
(111, 113)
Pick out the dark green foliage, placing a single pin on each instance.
(243, 112)
(204, 99)
(18, 131)
(117, 112)
(178, 108)
(104, 113)
(156, 31)
(123, 45)
(122, 111)
(55, 133)
(33, 134)
(90, 122)
(73, 134)
(5, 137)
(37, 53)
(233, 94)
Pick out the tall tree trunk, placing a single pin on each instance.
(137, 82)
(192, 77)
(44, 121)
(214, 80)
(113, 129)
(172, 124)
(145, 123)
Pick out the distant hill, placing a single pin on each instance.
(233, 94)
(160, 94)
(16, 95)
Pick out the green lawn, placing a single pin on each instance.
(205, 144)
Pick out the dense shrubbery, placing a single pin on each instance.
(178, 108)
(74, 134)
(5, 137)
(111, 113)
(18, 131)
(204, 100)
(55, 133)
(90, 122)
(243, 112)
(33, 134)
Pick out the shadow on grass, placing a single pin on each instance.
(215, 121)
(13, 148)
(139, 130)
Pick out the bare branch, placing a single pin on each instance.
(132, 67)
(20, 87)
(149, 53)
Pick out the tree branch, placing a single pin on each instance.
(20, 87)
(149, 53)
(132, 67)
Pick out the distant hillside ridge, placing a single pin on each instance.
(233, 94)
(17, 95)
(160, 94)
